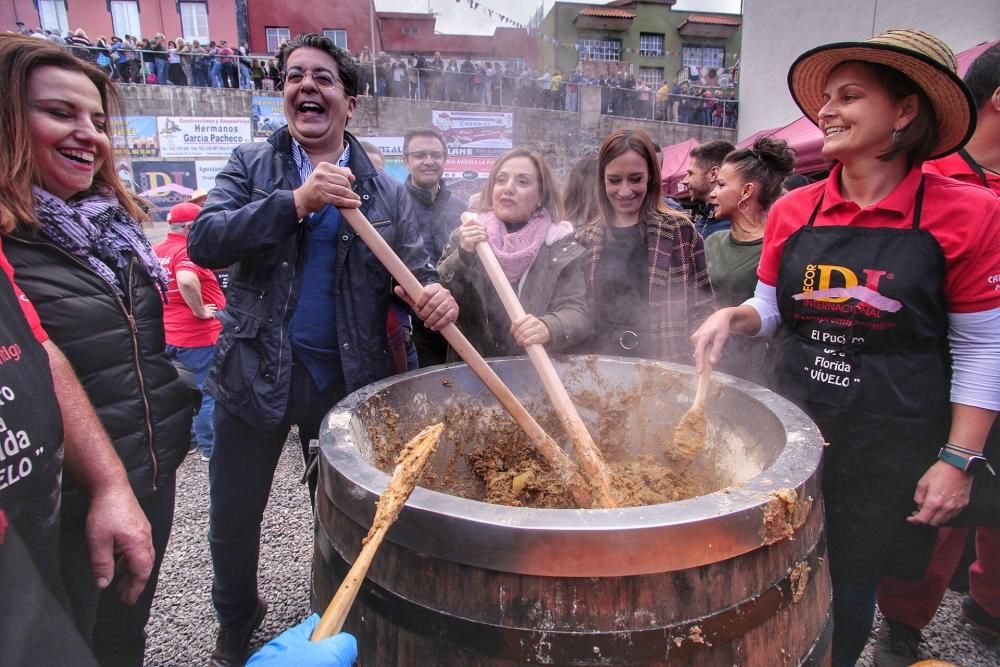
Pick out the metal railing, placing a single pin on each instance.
(715, 107)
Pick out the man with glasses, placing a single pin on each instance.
(305, 321)
(438, 214)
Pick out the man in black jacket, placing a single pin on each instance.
(305, 317)
(438, 214)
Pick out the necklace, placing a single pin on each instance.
(747, 232)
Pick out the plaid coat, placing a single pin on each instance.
(680, 293)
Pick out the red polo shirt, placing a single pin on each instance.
(965, 221)
(183, 329)
(955, 166)
(26, 307)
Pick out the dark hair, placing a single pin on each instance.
(766, 164)
(983, 75)
(711, 154)
(580, 193)
(615, 145)
(423, 132)
(915, 142)
(20, 57)
(345, 64)
(795, 181)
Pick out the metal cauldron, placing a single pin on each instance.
(733, 576)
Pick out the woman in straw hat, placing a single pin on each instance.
(881, 282)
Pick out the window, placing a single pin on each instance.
(338, 37)
(411, 31)
(125, 18)
(599, 49)
(702, 56)
(276, 37)
(651, 45)
(52, 15)
(651, 76)
(194, 21)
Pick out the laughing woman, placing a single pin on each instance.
(878, 281)
(646, 271)
(81, 258)
(520, 218)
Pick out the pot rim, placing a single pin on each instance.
(589, 542)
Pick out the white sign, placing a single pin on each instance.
(207, 170)
(191, 136)
(386, 145)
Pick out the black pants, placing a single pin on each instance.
(244, 458)
(117, 630)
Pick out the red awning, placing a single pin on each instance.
(673, 169)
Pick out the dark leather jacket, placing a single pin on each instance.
(438, 216)
(116, 345)
(249, 220)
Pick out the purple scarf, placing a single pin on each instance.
(516, 251)
(99, 231)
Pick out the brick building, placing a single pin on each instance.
(203, 20)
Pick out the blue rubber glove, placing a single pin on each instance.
(292, 648)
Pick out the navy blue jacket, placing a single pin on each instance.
(249, 221)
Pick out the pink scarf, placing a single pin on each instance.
(516, 251)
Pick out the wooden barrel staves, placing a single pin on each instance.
(735, 577)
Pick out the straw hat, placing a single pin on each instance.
(921, 56)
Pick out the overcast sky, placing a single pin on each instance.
(458, 18)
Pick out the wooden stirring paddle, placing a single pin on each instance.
(561, 464)
(410, 465)
(689, 435)
(591, 460)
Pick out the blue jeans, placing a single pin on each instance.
(246, 80)
(161, 71)
(197, 361)
(216, 75)
(240, 475)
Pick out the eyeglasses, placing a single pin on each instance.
(419, 156)
(321, 77)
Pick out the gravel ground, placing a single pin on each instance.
(182, 627)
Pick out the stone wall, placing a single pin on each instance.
(560, 136)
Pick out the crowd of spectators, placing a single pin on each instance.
(705, 97)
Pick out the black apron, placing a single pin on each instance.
(869, 363)
(31, 456)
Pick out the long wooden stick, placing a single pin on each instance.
(591, 460)
(410, 465)
(557, 459)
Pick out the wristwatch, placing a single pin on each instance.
(972, 464)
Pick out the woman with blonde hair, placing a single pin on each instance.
(72, 233)
(646, 272)
(520, 216)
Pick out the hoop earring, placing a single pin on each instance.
(896, 134)
(743, 201)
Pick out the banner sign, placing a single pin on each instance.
(267, 115)
(135, 136)
(475, 133)
(207, 170)
(196, 136)
(164, 184)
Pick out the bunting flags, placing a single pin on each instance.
(476, 6)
